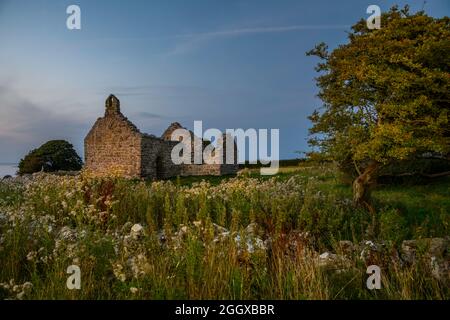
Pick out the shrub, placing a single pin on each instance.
(52, 156)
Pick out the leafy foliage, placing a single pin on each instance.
(52, 156)
(386, 93)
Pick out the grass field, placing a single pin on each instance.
(245, 237)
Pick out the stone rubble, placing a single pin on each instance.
(250, 240)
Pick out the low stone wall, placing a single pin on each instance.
(229, 169)
(201, 170)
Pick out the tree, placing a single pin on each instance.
(52, 156)
(386, 95)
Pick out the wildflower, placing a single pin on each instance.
(27, 286)
(31, 255)
(134, 290)
(136, 231)
(118, 272)
(67, 234)
(20, 295)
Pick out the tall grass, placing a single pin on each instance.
(51, 222)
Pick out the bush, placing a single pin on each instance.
(55, 155)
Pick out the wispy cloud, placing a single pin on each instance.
(148, 115)
(248, 31)
(191, 41)
(157, 90)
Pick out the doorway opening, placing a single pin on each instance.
(159, 168)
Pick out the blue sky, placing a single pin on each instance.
(231, 64)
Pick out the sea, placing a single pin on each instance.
(8, 169)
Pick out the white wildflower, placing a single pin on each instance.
(20, 295)
(31, 255)
(134, 290)
(136, 231)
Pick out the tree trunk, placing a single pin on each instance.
(362, 187)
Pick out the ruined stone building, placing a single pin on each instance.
(115, 143)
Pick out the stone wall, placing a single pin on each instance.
(208, 169)
(113, 143)
(229, 169)
(155, 158)
(200, 170)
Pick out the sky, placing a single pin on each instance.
(232, 64)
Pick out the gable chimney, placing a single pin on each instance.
(112, 105)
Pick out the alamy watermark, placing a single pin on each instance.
(374, 20)
(73, 21)
(74, 280)
(227, 148)
(374, 280)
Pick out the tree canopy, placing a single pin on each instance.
(386, 93)
(55, 155)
